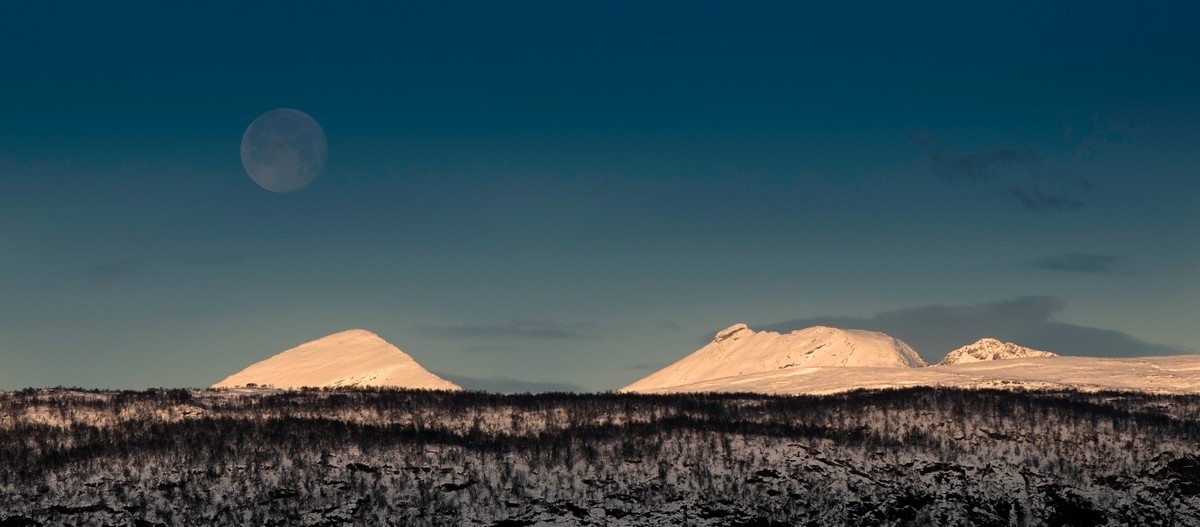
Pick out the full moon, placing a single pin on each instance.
(284, 150)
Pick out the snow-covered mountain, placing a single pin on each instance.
(354, 357)
(739, 351)
(1174, 374)
(991, 349)
(822, 360)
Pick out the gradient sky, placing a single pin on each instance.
(568, 195)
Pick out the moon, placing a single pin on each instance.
(284, 150)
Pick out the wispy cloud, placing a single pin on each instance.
(1080, 263)
(219, 259)
(515, 328)
(979, 166)
(668, 325)
(1033, 179)
(1041, 201)
(934, 330)
(646, 366)
(500, 384)
(488, 348)
(109, 273)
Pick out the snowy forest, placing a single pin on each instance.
(919, 456)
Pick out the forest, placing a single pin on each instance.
(916, 456)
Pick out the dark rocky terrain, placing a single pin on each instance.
(388, 457)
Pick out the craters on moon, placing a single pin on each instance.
(284, 150)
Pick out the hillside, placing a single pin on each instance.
(1178, 374)
(739, 351)
(355, 357)
(821, 360)
(386, 457)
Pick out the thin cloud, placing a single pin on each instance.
(110, 273)
(1029, 321)
(668, 325)
(1031, 178)
(646, 366)
(1039, 201)
(487, 348)
(516, 328)
(980, 166)
(499, 384)
(220, 259)
(1084, 263)
(128, 239)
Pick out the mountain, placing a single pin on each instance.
(739, 351)
(355, 357)
(991, 349)
(822, 360)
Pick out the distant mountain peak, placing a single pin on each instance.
(988, 349)
(355, 357)
(351, 333)
(738, 351)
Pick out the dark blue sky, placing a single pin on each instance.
(567, 194)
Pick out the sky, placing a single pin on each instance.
(569, 195)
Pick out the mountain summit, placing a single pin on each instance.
(821, 360)
(991, 349)
(740, 351)
(354, 357)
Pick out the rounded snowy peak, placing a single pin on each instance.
(989, 349)
(357, 332)
(739, 351)
(354, 357)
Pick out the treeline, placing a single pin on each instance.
(46, 429)
(947, 456)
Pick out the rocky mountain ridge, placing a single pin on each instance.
(991, 349)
